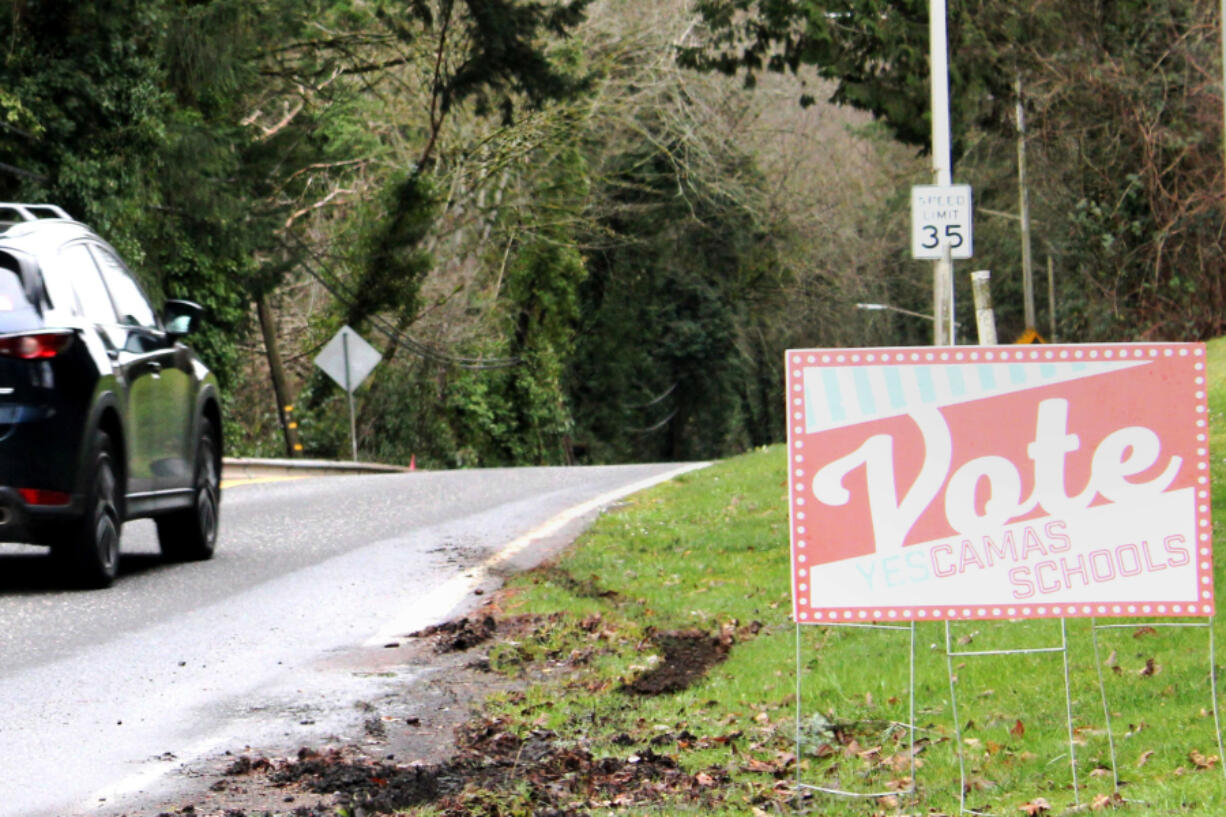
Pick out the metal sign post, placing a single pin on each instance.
(942, 155)
(348, 360)
(1102, 689)
(353, 423)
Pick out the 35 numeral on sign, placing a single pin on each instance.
(932, 236)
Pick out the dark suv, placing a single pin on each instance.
(105, 415)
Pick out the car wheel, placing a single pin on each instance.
(190, 534)
(90, 547)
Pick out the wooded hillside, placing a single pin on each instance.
(586, 230)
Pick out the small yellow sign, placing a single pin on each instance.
(1031, 335)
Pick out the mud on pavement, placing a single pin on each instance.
(411, 727)
(429, 745)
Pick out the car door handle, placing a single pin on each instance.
(155, 368)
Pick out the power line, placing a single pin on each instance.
(336, 287)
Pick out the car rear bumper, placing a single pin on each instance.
(34, 524)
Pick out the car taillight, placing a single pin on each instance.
(36, 346)
(38, 496)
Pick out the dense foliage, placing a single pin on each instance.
(1125, 132)
(568, 244)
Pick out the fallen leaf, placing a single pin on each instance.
(1018, 729)
(1150, 669)
(1099, 771)
(1145, 756)
(755, 765)
(704, 779)
(889, 801)
(1036, 806)
(1141, 632)
(1103, 801)
(1201, 761)
(867, 754)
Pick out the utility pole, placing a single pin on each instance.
(1023, 197)
(276, 373)
(942, 167)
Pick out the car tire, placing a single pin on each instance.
(190, 534)
(89, 547)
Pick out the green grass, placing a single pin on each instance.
(710, 551)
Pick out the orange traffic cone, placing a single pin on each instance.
(412, 462)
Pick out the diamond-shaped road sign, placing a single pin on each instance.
(348, 359)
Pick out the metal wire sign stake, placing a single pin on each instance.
(998, 483)
(1207, 624)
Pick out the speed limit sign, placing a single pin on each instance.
(940, 218)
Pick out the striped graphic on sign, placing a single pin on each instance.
(838, 396)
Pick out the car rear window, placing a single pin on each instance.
(12, 293)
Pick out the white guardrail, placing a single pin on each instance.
(240, 468)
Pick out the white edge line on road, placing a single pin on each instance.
(425, 610)
(415, 615)
(137, 782)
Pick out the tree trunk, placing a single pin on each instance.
(276, 371)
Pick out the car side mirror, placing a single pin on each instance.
(181, 317)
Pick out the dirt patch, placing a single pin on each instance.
(688, 655)
(410, 726)
(555, 778)
(460, 634)
(423, 746)
(363, 786)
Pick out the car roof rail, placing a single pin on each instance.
(14, 213)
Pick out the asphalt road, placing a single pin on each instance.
(104, 695)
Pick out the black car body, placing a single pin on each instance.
(105, 415)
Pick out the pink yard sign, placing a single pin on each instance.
(999, 482)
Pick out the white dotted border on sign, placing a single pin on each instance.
(797, 361)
